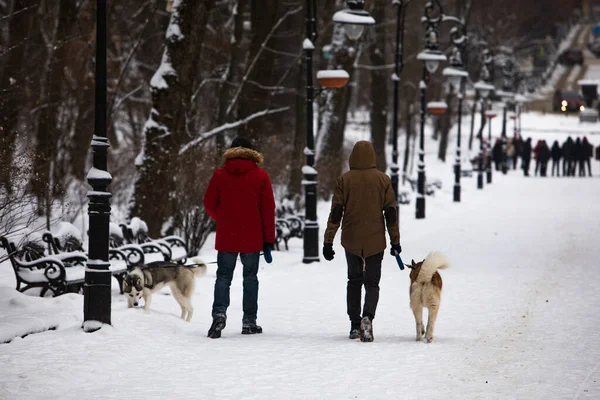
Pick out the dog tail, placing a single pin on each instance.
(198, 266)
(434, 261)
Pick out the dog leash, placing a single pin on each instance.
(401, 264)
(216, 262)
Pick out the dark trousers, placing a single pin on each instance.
(556, 166)
(526, 166)
(589, 165)
(225, 267)
(359, 274)
(543, 168)
(581, 167)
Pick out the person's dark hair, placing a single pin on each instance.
(241, 142)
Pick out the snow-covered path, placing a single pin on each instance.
(519, 318)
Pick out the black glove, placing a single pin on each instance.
(396, 250)
(267, 252)
(267, 246)
(328, 252)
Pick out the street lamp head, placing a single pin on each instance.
(484, 89)
(354, 19)
(437, 107)
(490, 115)
(431, 59)
(506, 95)
(519, 98)
(333, 78)
(455, 76)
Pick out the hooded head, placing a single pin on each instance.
(241, 142)
(362, 156)
(240, 157)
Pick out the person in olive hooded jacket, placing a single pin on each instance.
(364, 203)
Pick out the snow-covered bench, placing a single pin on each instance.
(283, 233)
(168, 248)
(430, 186)
(57, 274)
(121, 259)
(288, 226)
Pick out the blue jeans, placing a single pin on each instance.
(225, 267)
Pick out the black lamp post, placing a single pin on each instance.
(96, 289)
(488, 166)
(431, 57)
(398, 66)
(508, 97)
(354, 19)
(456, 74)
(483, 90)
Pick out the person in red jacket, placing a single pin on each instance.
(240, 199)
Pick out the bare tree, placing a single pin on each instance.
(13, 81)
(380, 79)
(165, 130)
(333, 114)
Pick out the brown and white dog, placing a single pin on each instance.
(426, 291)
(143, 282)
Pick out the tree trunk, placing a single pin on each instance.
(164, 132)
(254, 98)
(233, 71)
(79, 144)
(473, 111)
(446, 125)
(380, 80)
(409, 133)
(298, 157)
(12, 85)
(333, 115)
(46, 183)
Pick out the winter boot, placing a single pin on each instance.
(354, 331)
(366, 330)
(250, 328)
(217, 326)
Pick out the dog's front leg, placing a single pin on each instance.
(129, 302)
(418, 312)
(433, 312)
(147, 300)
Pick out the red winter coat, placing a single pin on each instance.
(240, 198)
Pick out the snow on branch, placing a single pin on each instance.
(230, 125)
(258, 54)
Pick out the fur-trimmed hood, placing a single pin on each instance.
(244, 154)
(239, 160)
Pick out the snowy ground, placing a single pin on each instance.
(519, 315)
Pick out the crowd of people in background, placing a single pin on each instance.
(575, 155)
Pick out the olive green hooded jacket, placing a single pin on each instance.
(362, 197)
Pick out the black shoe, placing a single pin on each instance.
(250, 328)
(215, 329)
(354, 331)
(366, 330)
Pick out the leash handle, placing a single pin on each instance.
(400, 263)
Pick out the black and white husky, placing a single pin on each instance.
(141, 282)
